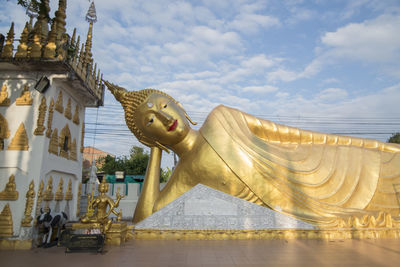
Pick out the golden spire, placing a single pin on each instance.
(91, 17)
(8, 48)
(87, 60)
(50, 49)
(42, 23)
(76, 53)
(60, 16)
(23, 43)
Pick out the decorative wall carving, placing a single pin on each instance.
(67, 112)
(25, 99)
(6, 223)
(39, 198)
(64, 142)
(30, 198)
(60, 194)
(78, 202)
(53, 144)
(68, 194)
(20, 139)
(4, 100)
(73, 155)
(4, 132)
(82, 136)
(50, 118)
(48, 193)
(40, 120)
(10, 191)
(76, 115)
(59, 103)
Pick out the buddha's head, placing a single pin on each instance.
(155, 118)
(103, 186)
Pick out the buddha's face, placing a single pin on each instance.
(161, 119)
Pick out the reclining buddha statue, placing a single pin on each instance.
(318, 178)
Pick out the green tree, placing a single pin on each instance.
(165, 174)
(395, 138)
(134, 164)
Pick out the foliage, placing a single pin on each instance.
(165, 174)
(395, 138)
(134, 164)
(36, 5)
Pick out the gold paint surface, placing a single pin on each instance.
(6, 222)
(322, 179)
(68, 194)
(4, 131)
(222, 234)
(50, 118)
(67, 112)
(10, 191)
(59, 196)
(41, 117)
(59, 103)
(30, 197)
(4, 100)
(65, 136)
(20, 139)
(53, 144)
(6, 244)
(25, 99)
(48, 193)
(100, 208)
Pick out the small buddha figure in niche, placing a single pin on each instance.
(312, 176)
(97, 208)
(10, 191)
(25, 98)
(4, 100)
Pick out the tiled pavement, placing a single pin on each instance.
(219, 253)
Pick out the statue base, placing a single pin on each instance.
(7, 244)
(115, 236)
(229, 234)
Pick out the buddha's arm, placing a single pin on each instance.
(278, 133)
(151, 187)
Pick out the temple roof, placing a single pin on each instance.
(55, 51)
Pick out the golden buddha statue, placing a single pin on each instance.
(316, 177)
(10, 191)
(25, 98)
(97, 208)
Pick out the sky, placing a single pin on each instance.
(325, 65)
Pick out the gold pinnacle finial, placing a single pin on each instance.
(23, 43)
(60, 16)
(8, 48)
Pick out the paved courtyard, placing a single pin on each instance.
(219, 253)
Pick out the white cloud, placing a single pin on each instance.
(260, 89)
(376, 40)
(332, 94)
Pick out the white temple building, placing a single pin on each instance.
(47, 80)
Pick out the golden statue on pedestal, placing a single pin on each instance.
(25, 99)
(4, 100)
(30, 198)
(319, 178)
(97, 208)
(10, 191)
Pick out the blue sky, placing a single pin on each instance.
(322, 65)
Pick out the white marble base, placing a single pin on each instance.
(205, 208)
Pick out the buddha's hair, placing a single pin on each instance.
(130, 100)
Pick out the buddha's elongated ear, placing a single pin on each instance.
(186, 115)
